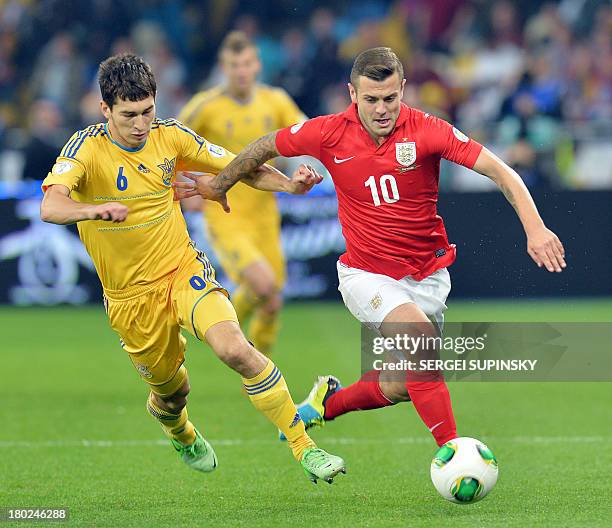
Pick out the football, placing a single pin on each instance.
(464, 470)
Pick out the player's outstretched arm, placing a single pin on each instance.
(58, 208)
(265, 178)
(249, 166)
(242, 166)
(247, 162)
(543, 245)
(268, 178)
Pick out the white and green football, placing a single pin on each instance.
(464, 470)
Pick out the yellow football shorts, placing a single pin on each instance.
(238, 244)
(149, 319)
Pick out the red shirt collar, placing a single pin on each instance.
(351, 114)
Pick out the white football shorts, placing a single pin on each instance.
(370, 297)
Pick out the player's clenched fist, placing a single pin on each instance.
(200, 185)
(546, 249)
(112, 212)
(304, 178)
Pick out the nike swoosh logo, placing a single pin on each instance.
(431, 429)
(336, 160)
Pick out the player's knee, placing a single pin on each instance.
(401, 396)
(260, 280)
(427, 347)
(177, 401)
(266, 292)
(395, 391)
(273, 304)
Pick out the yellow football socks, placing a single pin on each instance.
(175, 426)
(269, 394)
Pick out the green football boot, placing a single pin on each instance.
(319, 464)
(312, 409)
(200, 455)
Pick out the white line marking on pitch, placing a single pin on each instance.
(330, 440)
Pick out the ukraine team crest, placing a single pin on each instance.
(405, 153)
(167, 168)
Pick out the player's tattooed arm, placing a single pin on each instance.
(543, 245)
(268, 178)
(249, 166)
(247, 163)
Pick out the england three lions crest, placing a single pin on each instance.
(405, 153)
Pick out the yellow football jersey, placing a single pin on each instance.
(225, 121)
(154, 238)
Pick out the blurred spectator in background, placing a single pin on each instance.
(390, 30)
(335, 98)
(487, 68)
(589, 88)
(171, 79)
(325, 68)
(425, 89)
(462, 35)
(270, 51)
(367, 35)
(59, 76)
(8, 73)
(589, 73)
(503, 27)
(427, 21)
(45, 139)
(530, 120)
(294, 74)
(538, 92)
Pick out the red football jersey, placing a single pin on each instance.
(387, 194)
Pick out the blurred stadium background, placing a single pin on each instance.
(530, 79)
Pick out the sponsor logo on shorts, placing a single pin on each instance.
(144, 371)
(440, 252)
(376, 301)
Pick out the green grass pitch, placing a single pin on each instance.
(74, 432)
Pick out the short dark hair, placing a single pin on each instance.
(236, 42)
(126, 77)
(377, 64)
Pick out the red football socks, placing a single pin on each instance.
(432, 401)
(428, 393)
(362, 395)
